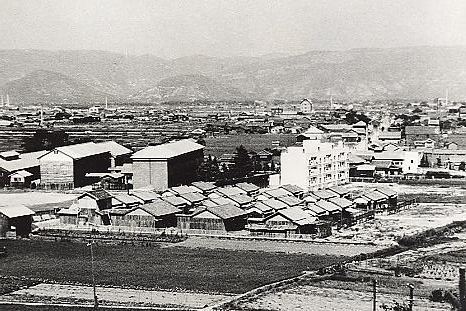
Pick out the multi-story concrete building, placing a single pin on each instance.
(315, 165)
(168, 165)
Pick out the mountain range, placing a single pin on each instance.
(414, 73)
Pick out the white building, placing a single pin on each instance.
(305, 106)
(315, 165)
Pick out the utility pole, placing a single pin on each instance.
(374, 293)
(411, 296)
(462, 286)
(96, 301)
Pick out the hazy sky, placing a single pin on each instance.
(174, 28)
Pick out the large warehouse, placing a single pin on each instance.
(163, 166)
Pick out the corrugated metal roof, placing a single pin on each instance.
(168, 150)
(13, 211)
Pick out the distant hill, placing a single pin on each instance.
(187, 87)
(395, 73)
(43, 85)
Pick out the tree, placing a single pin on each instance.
(201, 141)
(462, 166)
(209, 169)
(424, 161)
(46, 140)
(242, 163)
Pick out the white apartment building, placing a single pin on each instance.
(315, 165)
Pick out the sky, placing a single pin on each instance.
(223, 28)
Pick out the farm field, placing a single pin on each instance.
(168, 268)
(353, 294)
(310, 248)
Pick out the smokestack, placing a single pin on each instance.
(7, 99)
(106, 103)
(462, 290)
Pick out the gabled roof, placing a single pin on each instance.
(181, 189)
(317, 210)
(359, 124)
(382, 164)
(387, 191)
(262, 207)
(296, 215)
(145, 195)
(222, 201)
(339, 190)
(276, 193)
(226, 211)
(13, 211)
(328, 206)
(290, 200)
(374, 195)
(229, 191)
(324, 194)
(158, 208)
(114, 148)
(126, 198)
(9, 154)
(168, 150)
(97, 195)
(25, 161)
(248, 187)
(241, 199)
(275, 204)
(79, 151)
(354, 159)
(22, 173)
(293, 189)
(193, 197)
(204, 186)
(341, 202)
(176, 201)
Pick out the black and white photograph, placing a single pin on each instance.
(233, 155)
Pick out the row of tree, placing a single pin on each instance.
(243, 166)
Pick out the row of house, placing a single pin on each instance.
(202, 207)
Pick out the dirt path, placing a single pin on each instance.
(74, 294)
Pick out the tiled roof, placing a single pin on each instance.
(248, 187)
(290, 200)
(225, 211)
(25, 161)
(230, 191)
(341, 202)
(193, 197)
(145, 195)
(297, 215)
(177, 201)
(324, 194)
(328, 206)
(275, 204)
(241, 199)
(97, 195)
(339, 190)
(159, 208)
(292, 189)
(204, 186)
(168, 150)
(317, 210)
(278, 192)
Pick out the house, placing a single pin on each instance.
(312, 133)
(259, 210)
(119, 154)
(145, 196)
(178, 202)
(219, 219)
(334, 211)
(391, 194)
(324, 194)
(204, 187)
(371, 200)
(289, 222)
(290, 200)
(305, 107)
(418, 134)
(167, 165)
(340, 191)
(158, 214)
(21, 179)
(89, 203)
(66, 167)
(294, 190)
(229, 191)
(315, 165)
(390, 137)
(249, 188)
(12, 162)
(276, 193)
(124, 200)
(241, 200)
(17, 216)
(275, 204)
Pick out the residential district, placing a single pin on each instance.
(381, 184)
